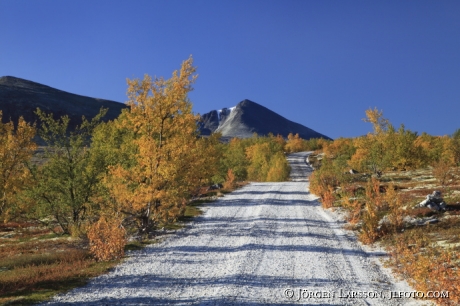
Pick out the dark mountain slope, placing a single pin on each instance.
(19, 97)
(249, 117)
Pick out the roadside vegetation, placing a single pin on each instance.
(70, 210)
(378, 180)
(37, 263)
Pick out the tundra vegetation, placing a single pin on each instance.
(70, 209)
(378, 179)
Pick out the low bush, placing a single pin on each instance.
(107, 240)
(427, 266)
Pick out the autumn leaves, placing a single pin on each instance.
(154, 159)
(130, 175)
(16, 149)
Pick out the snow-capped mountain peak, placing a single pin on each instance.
(223, 113)
(247, 118)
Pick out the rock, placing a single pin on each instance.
(433, 201)
(420, 221)
(384, 220)
(215, 186)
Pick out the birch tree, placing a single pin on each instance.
(155, 188)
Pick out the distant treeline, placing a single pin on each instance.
(384, 149)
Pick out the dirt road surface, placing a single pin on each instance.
(264, 244)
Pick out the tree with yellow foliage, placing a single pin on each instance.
(259, 156)
(279, 168)
(164, 171)
(234, 157)
(340, 147)
(387, 148)
(207, 154)
(372, 152)
(379, 124)
(16, 148)
(266, 160)
(456, 146)
(404, 151)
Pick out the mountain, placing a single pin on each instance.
(19, 97)
(247, 118)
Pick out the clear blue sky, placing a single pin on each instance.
(319, 63)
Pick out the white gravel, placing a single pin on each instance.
(250, 248)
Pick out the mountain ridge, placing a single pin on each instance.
(249, 117)
(21, 97)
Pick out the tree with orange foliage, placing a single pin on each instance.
(294, 144)
(164, 136)
(107, 239)
(16, 148)
(230, 182)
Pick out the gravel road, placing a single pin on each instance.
(264, 244)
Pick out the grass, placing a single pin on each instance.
(35, 265)
(136, 245)
(33, 284)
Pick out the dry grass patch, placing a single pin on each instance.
(35, 264)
